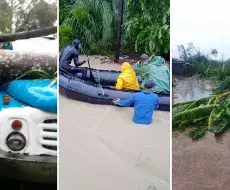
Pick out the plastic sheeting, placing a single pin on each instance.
(156, 70)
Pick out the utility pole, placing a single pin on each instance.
(118, 29)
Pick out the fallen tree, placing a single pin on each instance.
(13, 64)
(28, 34)
(204, 115)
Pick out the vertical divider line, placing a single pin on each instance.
(58, 111)
(171, 95)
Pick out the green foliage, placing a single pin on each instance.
(80, 13)
(65, 36)
(198, 133)
(207, 114)
(5, 17)
(145, 24)
(92, 23)
(36, 14)
(148, 24)
(23, 15)
(94, 48)
(223, 86)
(63, 10)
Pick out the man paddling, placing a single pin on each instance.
(144, 104)
(71, 53)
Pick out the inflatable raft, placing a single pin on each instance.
(35, 93)
(83, 87)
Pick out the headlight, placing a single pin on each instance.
(16, 141)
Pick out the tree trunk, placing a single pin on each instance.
(12, 15)
(28, 34)
(14, 64)
(118, 30)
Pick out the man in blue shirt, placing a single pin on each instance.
(144, 104)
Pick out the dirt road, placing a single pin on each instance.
(204, 164)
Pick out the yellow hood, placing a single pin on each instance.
(125, 66)
(127, 78)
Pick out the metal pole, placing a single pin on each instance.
(119, 29)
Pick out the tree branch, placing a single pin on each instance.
(28, 34)
(13, 63)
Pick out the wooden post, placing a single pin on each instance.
(119, 29)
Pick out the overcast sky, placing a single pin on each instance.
(206, 23)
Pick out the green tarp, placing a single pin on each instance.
(156, 70)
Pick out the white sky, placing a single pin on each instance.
(206, 23)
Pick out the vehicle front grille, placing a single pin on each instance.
(50, 147)
(50, 121)
(48, 138)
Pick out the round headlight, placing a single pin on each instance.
(16, 141)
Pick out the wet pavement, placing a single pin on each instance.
(203, 164)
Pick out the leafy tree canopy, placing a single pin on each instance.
(145, 25)
(24, 15)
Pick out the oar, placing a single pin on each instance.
(91, 74)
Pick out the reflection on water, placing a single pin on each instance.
(186, 89)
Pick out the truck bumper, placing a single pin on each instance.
(40, 169)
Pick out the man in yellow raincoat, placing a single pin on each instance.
(127, 79)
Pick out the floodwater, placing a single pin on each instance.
(101, 148)
(203, 164)
(190, 88)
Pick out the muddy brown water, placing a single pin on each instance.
(102, 149)
(203, 164)
(190, 88)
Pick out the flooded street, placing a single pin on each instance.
(101, 148)
(190, 88)
(203, 164)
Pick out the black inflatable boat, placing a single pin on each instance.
(92, 86)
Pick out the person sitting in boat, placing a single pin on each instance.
(160, 74)
(156, 69)
(141, 68)
(127, 79)
(71, 53)
(144, 103)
